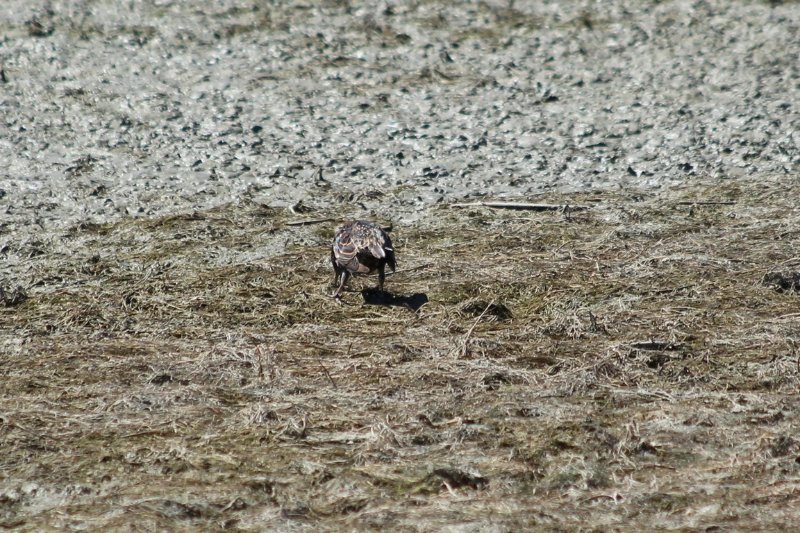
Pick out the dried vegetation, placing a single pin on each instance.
(628, 366)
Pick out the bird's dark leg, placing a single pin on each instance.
(336, 273)
(344, 276)
(381, 276)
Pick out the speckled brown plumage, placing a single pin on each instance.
(360, 247)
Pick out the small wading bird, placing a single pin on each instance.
(360, 247)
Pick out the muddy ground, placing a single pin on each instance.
(174, 172)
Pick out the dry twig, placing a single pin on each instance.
(524, 206)
(465, 348)
(308, 221)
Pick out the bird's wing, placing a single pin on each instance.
(378, 242)
(376, 249)
(368, 238)
(345, 250)
(387, 250)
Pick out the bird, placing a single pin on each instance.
(360, 247)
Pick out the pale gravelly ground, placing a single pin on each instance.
(170, 357)
(131, 110)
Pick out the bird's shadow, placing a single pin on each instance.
(376, 297)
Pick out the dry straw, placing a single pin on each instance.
(629, 362)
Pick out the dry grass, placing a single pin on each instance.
(621, 368)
